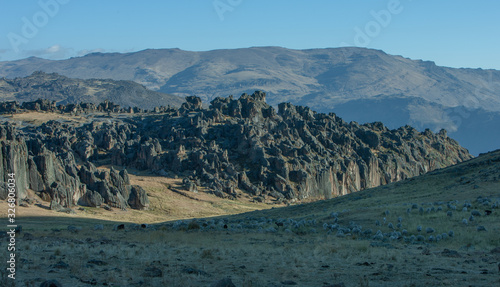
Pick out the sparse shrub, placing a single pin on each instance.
(429, 230)
(377, 222)
(390, 225)
(451, 233)
(449, 213)
(464, 221)
(419, 228)
(387, 212)
(420, 238)
(400, 219)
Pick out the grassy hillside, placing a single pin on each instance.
(303, 249)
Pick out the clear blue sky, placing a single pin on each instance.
(451, 33)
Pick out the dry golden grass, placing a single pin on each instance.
(165, 204)
(38, 118)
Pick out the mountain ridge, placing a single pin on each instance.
(323, 79)
(64, 90)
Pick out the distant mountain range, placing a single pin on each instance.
(64, 90)
(358, 84)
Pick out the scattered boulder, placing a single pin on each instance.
(138, 198)
(119, 227)
(54, 205)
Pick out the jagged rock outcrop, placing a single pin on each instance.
(13, 159)
(290, 154)
(54, 175)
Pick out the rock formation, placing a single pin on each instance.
(243, 144)
(50, 170)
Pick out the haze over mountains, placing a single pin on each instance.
(358, 84)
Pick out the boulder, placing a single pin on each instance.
(138, 198)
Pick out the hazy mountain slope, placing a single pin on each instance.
(322, 79)
(340, 74)
(65, 90)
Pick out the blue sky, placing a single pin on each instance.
(451, 33)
